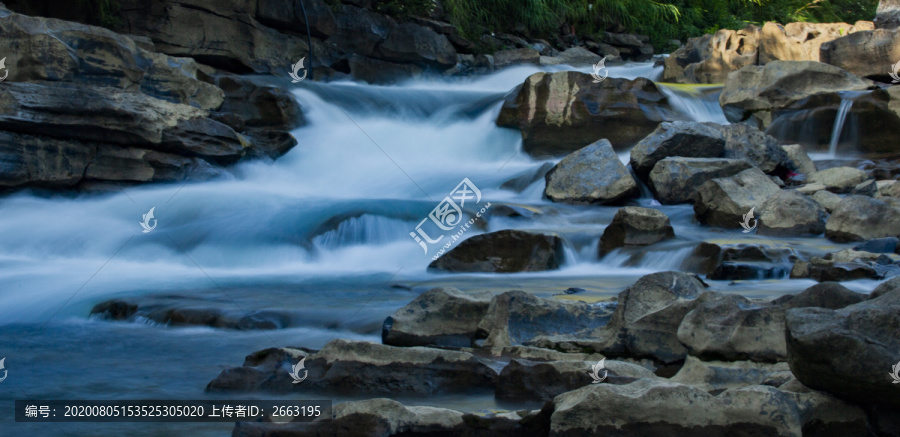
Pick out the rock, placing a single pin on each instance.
(867, 188)
(745, 142)
(721, 375)
(838, 179)
(561, 112)
(675, 179)
(709, 58)
(885, 288)
(622, 39)
(522, 379)
(175, 312)
(506, 58)
(758, 91)
(825, 295)
(386, 417)
(823, 414)
(259, 105)
(593, 174)
(823, 270)
(860, 218)
(789, 213)
(262, 370)
(358, 366)
(444, 317)
(410, 42)
(65, 51)
(800, 160)
(887, 16)
(381, 72)
(517, 317)
(360, 31)
(723, 201)
(810, 189)
(575, 56)
(879, 245)
(224, 35)
(866, 336)
(865, 54)
(801, 41)
(827, 199)
(659, 407)
(733, 328)
(634, 226)
(503, 252)
(680, 138)
(288, 15)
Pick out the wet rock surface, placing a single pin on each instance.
(503, 252)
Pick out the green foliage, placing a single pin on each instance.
(405, 8)
(661, 20)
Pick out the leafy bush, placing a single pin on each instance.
(662, 21)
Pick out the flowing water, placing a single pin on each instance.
(322, 235)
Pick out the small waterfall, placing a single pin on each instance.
(843, 110)
(697, 102)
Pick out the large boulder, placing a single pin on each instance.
(789, 213)
(440, 317)
(859, 218)
(659, 407)
(801, 41)
(799, 159)
(709, 58)
(850, 352)
(410, 42)
(381, 72)
(504, 251)
(517, 317)
(506, 58)
(680, 138)
(222, 34)
(723, 202)
(593, 174)
(865, 54)
(46, 49)
(675, 179)
(721, 375)
(634, 226)
(758, 91)
(561, 112)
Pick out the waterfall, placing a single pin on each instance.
(696, 102)
(843, 110)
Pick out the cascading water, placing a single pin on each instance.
(843, 110)
(321, 235)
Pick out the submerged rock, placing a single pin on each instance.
(503, 252)
(634, 226)
(593, 174)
